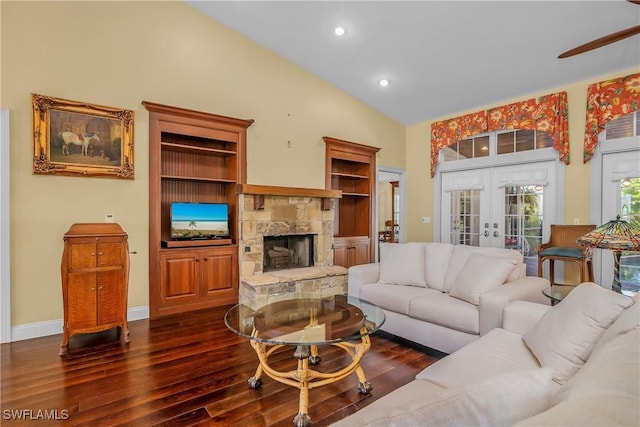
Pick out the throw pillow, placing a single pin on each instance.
(402, 264)
(498, 401)
(480, 274)
(437, 256)
(565, 336)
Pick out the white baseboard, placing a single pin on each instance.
(53, 327)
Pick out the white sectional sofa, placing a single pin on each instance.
(574, 364)
(444, 296)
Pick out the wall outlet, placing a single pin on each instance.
(109, 218)
(426, 219)
(576, 221)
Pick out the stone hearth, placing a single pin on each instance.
(286, 211)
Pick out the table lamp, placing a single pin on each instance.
(618, 236)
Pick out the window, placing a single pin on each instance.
(469, 148)
(623, 127)
(506, 142)
(523, 140)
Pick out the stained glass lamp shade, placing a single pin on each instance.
(618, 236)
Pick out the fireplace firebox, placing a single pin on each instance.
(287, 251)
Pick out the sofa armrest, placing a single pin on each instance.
(521, 316)
(360, 275)
(493, 302)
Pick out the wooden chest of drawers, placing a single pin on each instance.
(95, 276)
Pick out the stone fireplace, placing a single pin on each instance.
(286, 244)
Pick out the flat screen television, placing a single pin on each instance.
(199, 220)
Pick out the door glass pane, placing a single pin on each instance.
(630, 212)
(523, 222)
(465, 217)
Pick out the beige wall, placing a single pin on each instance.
(418, 139)
(121, 53)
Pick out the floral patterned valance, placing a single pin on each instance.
(447, 132)
(547, 113)
(606, 101)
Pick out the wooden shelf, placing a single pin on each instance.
(349, 175)
(193, 148)
(355, 194)
(195, 178)
(195, 243)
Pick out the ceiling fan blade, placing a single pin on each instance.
(602, 41)
(634, 1)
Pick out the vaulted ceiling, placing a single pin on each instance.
(440, 57)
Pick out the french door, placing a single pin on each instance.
(620, 196)
(501, 206)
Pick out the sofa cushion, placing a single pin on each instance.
(496, 353)
(393, 297)
(441, 309)
(595, 411)
(461, 253)
(437, 256)
(404, 396)
(497, 401)
(480, 273)
(612, 370)
(402, 264)
(567, 333)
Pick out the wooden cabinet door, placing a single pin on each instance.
(350, 251)
(180, 276)
(360, 251)
(218, 270)
(340, 253)
(82, 300)
(111, 298)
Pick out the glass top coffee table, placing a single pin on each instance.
(557, 292)
(306, 324)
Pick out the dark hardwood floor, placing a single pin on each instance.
(182, 370)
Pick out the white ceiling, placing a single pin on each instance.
(442, 57)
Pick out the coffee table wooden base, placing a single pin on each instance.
(304, 378)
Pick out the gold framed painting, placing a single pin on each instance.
(81, 139)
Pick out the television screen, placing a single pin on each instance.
(199, 220)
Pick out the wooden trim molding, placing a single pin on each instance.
(191, 114)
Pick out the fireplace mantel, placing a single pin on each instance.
(269, 190)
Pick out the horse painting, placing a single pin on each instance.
(81, 139)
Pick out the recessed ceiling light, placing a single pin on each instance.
(384, 82)
(340, 30)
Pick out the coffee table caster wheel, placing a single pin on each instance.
(302, 420)
(365, 387)
(314, 360)
(254, 382)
